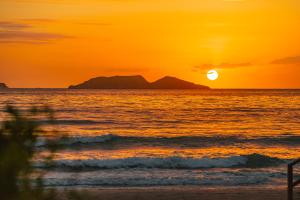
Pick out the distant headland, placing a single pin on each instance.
(136, 82)
(3, 86)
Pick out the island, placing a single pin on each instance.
(3, 86)
(136, 82)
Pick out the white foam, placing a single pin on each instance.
(156, 177)
(145, 162)
(78, 139)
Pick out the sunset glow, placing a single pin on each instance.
(149, 99)
(52, 43)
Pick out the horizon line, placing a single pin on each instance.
(156, 89)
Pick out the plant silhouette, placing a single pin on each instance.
(19, 133)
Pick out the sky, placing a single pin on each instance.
(57, 43)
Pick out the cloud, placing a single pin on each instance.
(13, 25)
(12, 36)
(39, 20)
(42, 2)
(47, 20)
(16, 32)
(287, 60)
(221, 66)
(93, 23)
(23, 41)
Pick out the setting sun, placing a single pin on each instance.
(212, 75)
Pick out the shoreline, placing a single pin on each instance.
(181, 193)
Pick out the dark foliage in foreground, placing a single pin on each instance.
(18, 136)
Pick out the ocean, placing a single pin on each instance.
(209, 138)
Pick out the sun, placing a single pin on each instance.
(212, 75)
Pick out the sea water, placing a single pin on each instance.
(167, 137)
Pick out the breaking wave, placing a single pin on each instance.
(251, 161)
(187, 141)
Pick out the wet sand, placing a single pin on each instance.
(185, 193)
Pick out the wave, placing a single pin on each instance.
(74, 122)
(251, 161)
(164, 178)
(186, 141)
(69, 141)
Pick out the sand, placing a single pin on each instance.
(185, 193)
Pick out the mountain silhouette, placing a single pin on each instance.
(136, 82)
(3, 86)
(114, 82)
(169, 82)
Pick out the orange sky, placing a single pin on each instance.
(56, 43)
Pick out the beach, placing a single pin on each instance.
(185, 193)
